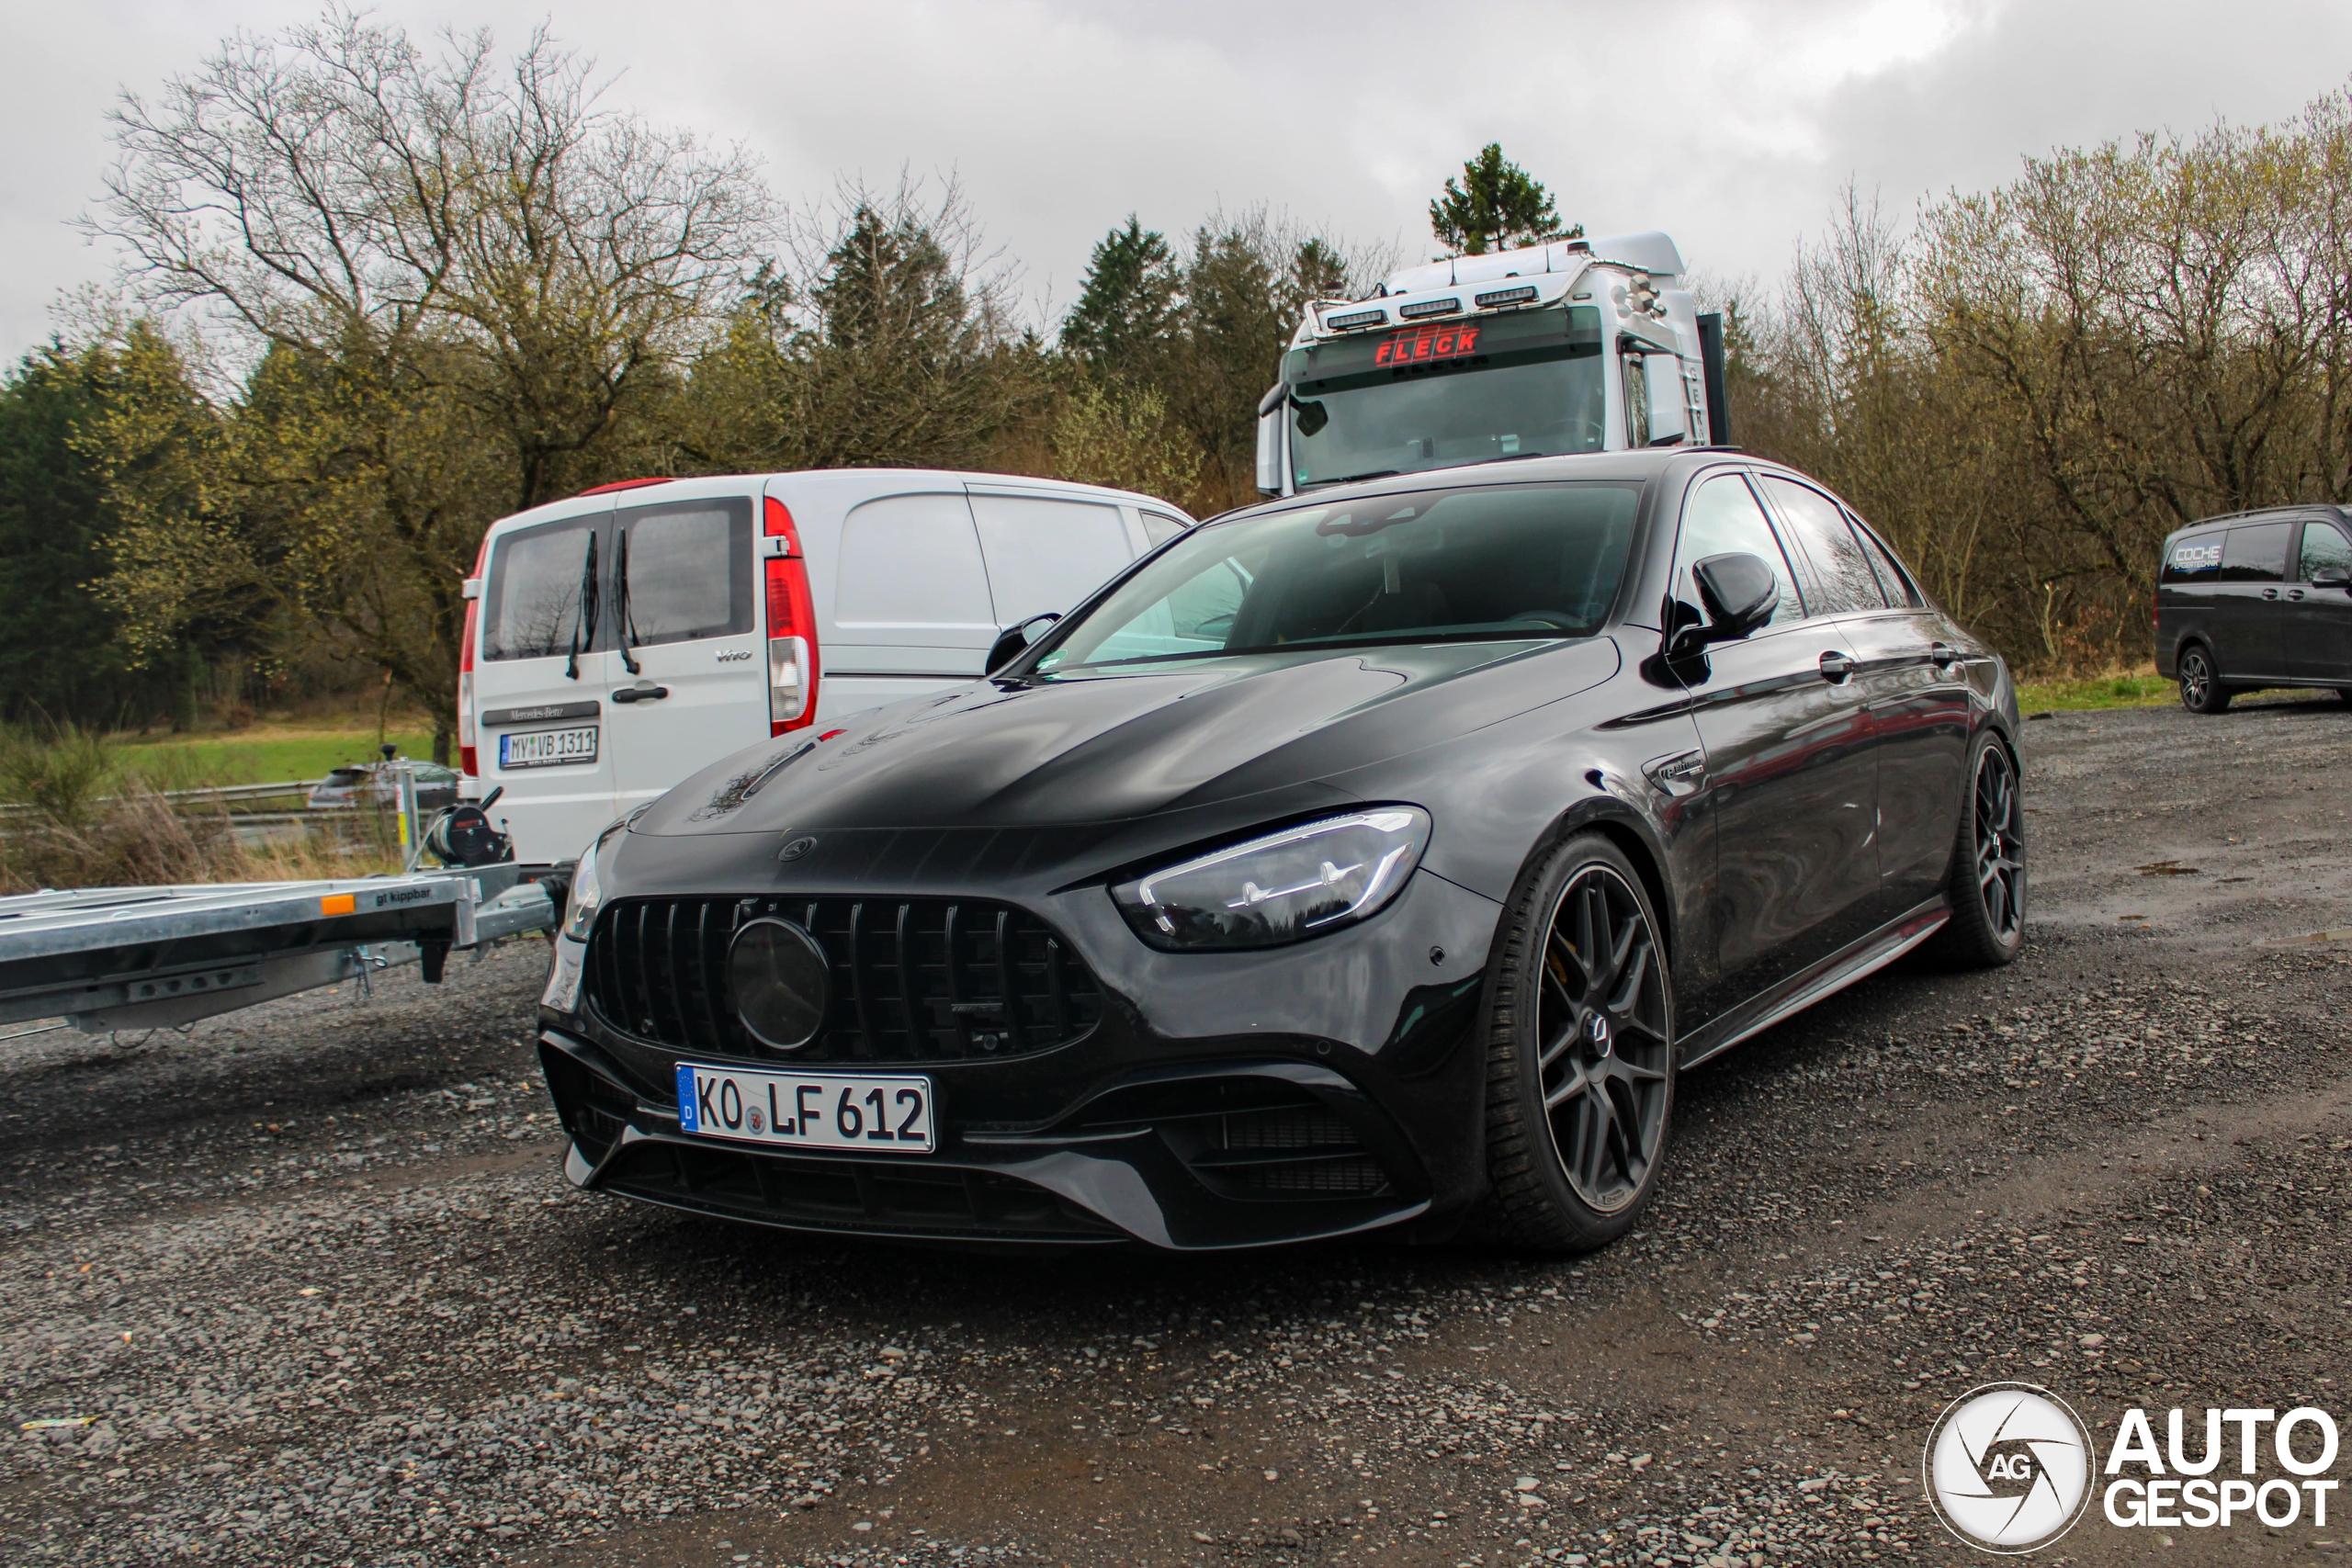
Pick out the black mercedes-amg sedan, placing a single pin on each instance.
(1369, 861)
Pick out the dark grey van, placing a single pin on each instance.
(2256, 599)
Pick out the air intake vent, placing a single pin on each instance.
(914, 979)
(1250, 1137)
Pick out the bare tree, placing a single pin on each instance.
(466, 280)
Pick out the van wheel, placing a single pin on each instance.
(2201, 684)
(1987, 885)
(1580, 1054)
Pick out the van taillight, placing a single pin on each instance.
(469, 757)
(792, 642)
(778, 525)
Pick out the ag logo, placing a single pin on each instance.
(2009, 1467)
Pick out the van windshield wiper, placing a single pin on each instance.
(620, 600)
(584, 625)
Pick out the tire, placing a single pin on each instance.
(2200, 681)
(1987, 885)
(1570, 1169)
(2344, 693)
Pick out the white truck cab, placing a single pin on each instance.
(1579, 346)
(619, 640)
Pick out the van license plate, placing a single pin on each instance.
(547, 748)
(817, 1111)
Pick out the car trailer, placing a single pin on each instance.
(104, 959)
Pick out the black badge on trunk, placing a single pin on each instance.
(781, 980)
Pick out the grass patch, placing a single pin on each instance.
(2098, 691)
(267, 757)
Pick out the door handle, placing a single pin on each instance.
(1943, 655)
(1836, 666)
(2294, 594)
(640, 693)
(2270, 593)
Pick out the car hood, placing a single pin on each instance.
(1100, 749)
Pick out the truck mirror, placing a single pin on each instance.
(1269, 448)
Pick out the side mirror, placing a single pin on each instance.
(1740, 595)
(1014, 640)
(1269, 439)
(2332, 577)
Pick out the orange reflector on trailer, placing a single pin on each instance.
(338, 904)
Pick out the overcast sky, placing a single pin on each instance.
(1731, 126)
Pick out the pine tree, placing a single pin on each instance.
(1126, 309)
(1496, 205)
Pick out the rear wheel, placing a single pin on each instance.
(2201, 683)
(1580, 1054)
(1987, 883)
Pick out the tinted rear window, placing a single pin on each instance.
(2255, 553)
(531, 606)
(689, 571)
(2196, 558)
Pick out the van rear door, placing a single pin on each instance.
(1048, 552)
(539, 680)
(685, 615)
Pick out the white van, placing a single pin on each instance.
(618, 641)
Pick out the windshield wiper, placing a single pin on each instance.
(1351, 479)
(584, 625)
(621, 600)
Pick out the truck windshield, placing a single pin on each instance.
(1479, 563)
(1527, 384)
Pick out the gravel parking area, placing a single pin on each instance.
(306, 1286)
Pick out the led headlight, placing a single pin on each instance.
(1285, 886)
(587, 888)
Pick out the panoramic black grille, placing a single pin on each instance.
(914, 979)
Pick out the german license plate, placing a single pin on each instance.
(808, 1111)
(547, 748)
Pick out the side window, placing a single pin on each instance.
(2322, 548)
(1047, 554)
(688, 571)
(1892, 580)
(1839, 563)
(533, 604)
(1722, 517)
(2255, 553)
(911, 561)
(1159, 527)
(2194, 559)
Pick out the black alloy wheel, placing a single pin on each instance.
(1581, 1065)
(1986, 887)
(2201, 684)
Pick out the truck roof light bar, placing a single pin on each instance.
(1429, 307)
(1506, 296)
(1354, 319)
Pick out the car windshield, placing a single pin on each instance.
(1533, 561)
(1528, 384)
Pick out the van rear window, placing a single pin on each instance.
(531, 606)
(2196, 559)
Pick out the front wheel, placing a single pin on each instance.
(2201, 683)
(1580, 1054)
(1987, 885)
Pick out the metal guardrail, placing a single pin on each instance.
(221, 795)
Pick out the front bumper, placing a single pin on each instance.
(1220, 1101)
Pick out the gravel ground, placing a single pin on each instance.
(308, 1283)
